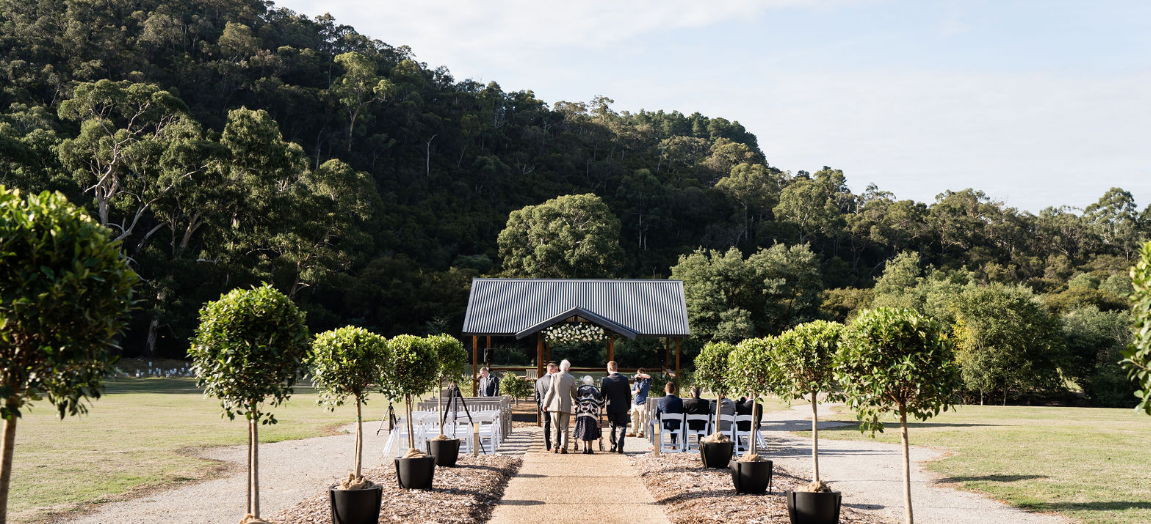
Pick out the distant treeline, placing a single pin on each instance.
(230, 142)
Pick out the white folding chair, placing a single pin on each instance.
(666, 442)
(742, 439)
(727, 425)
(697, 433)
(489, 430)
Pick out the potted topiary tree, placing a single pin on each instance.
(752, 370)
(805, 358)
(249, 349)
(1137, 356)
(347, 362)
(711, 374)
(65, 291)
(896, 361)
(450, 359)
(411, 371)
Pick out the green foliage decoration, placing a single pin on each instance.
(249, 350)
(65, 291)
(516, 386)
(412, 370)
(713, 371)
(1137, 357)
(896, 361)
(347, 362)
(451, 359)
(753, 370)
(805, 359)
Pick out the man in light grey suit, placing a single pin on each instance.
(559, 401)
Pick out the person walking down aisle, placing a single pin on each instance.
(617, 397)
(587, 417)
(639, 389)
(559, 399)
(542, 385)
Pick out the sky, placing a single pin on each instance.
(1037, 103)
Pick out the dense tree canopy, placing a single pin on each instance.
(230, 142)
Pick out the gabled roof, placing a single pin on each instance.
(519, 307)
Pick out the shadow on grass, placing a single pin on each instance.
(172, 385)
(1117, 505)
(993, 478)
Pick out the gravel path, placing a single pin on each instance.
(290, 471)
(870, 475)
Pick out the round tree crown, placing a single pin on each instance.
(711, 367)
(806, 358)
(412, 368)
(65, 291)
(250, 347)
(347, 362)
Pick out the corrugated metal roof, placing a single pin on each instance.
(508, 306)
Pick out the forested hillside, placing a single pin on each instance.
(229, 142)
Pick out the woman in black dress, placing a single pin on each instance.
(587, 415)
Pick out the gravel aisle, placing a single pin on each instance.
(870, 475)
(290, 471)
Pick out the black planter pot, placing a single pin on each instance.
(805, 507)
(355, 506)
(716, 454)
(416, 472)
(446, 452)
(751, 477)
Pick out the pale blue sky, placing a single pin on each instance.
(1037, 103)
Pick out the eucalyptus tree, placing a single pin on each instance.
(571, 236)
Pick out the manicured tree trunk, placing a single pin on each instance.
(359, 439)
(906, 463)
(754, 430)
(6, 464)
(248, 501)
(411, 427)
(814, 436)
(441, 406)
(255, 469)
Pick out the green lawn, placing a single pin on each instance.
(1086, 463)
(143, 432)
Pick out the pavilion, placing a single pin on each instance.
(517, 307)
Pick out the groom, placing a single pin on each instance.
(617, 394)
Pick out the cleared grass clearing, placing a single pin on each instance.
(1090, 464)
(142, 432)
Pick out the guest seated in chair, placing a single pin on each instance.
(744, 407)
(672, 405)
(696, 406)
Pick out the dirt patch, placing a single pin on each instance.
(464, 494)
(691, 494)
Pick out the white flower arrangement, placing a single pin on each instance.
(574, 332)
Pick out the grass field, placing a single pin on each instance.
(143, 432)
(1086, 463)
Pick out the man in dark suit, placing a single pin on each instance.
(489, 385)
(671, 405)
(696, 406)
(617, 395)
(542, 385)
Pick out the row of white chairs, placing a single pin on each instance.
(426, 426)
(680, 440)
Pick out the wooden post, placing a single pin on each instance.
(475, 366)
(666, 352)
(488, 351)
(548, 351)
(610, 347)
(539, 372)
(677, 359)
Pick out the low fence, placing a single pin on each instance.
(502, 403)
